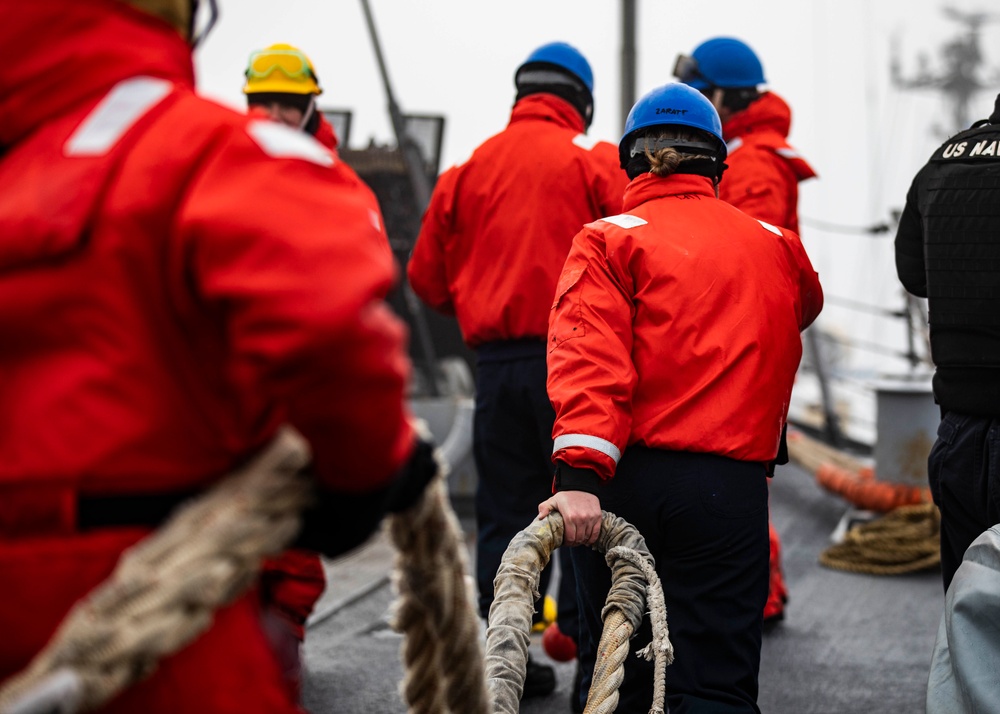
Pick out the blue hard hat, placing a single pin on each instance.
(564, 56)
(673, 104)
(720, 62)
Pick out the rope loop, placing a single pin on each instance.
(634, 583)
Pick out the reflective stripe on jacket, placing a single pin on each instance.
(498, 227)
(676, 325)
(764, 170)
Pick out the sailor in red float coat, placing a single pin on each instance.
(764, 170)
(282, 83)
(176, 281)
(490, 248)
(620, 346)
(472, 260)
(673, 346)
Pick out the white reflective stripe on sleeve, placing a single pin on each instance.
(787, 153)
(734, 144)
(585, 142)
(625, 221)
(283, 142)
(587, 441)
(117, 112)
(769, 227)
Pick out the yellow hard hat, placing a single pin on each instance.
(283, 69)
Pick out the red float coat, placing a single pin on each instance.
(176, 280)
(764, 170)
(498, 227)
(676, 326)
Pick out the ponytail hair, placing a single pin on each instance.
(668, 150)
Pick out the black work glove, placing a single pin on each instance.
(339, 522)
(414, 477)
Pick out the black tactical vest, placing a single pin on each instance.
(959, 204)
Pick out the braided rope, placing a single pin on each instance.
(434, 609)
(659, 650)
(609, 668)
(516, 590)
(905, 540)
(165, 589)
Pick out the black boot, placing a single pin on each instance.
(539, 680)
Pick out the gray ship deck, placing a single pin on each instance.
(849, 643)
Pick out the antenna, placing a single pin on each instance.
(958, 78)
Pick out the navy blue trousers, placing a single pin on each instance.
(964, 473)
(512, 444)
(704, 519)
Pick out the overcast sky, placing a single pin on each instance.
(829, 58)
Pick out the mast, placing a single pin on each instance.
(958, 79)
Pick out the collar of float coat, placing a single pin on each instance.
(650, 186)
(766, 123)
(769, 113)
(547, 107)
(62, 57)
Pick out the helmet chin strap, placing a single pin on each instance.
(197, 34)
(307, 115)
(718, 95)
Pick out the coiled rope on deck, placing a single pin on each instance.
(165, 589)
(634, 586)
(905, 540)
